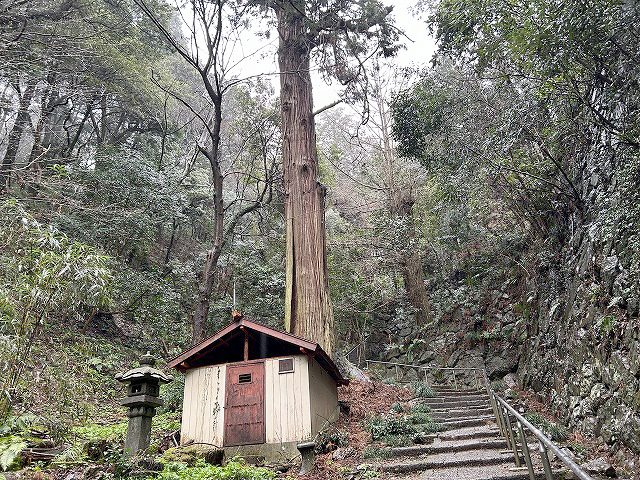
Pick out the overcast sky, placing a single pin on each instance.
(419, 47)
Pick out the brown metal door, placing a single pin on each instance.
(244, 405)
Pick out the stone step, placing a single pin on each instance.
(482, 472)
(451, 447)
(449, 398)
(447, 460)
(441, 392)
(459, 414)
(468, 422)
(458, 406)
(467, 434)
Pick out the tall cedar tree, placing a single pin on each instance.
(341, 35)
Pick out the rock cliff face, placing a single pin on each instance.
(582, 347)
(569, 327)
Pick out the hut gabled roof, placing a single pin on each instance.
(227, 346)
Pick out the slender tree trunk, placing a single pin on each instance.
(308, 309)
(207, 280)
(37, 149)
(23, 120)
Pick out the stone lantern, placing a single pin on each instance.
(143, 392)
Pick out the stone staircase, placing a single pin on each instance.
(469, 448)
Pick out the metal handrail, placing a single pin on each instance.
(428, 367)
(432, 367)
(502, 409)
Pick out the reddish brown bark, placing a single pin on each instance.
(308, 309)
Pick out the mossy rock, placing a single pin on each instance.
(190, 455)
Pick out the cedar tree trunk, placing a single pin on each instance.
(308, 310)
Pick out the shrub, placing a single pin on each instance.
(419, 408)
(422, 390)
(375, 451)
(381, 427)
(10, 449)
(419, 418)
(398, 440)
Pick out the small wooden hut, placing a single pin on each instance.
(253, 385)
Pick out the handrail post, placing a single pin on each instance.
(502, 422)
(512, 437)
(494, 405)
(397, 375)
(525, 451)
(545, 461)
(455, 384)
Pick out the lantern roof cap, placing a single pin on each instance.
(145, 371)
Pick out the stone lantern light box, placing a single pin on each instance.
(256, 390)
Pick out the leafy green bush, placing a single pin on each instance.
(404, 440)
(375, 451)
(422, 390)
(419, 408)
(419, 418)
(381, 427)
(114, 433)
(43, 275)
(397, 407)
(234, 470)
(428, 427)
(10, 448)
(16, 434)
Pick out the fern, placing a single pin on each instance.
(10, 449)
(73, 455)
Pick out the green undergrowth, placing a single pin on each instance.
(400, 430)
(26, 430)
(377, 451)
(94, 442)
(233, 470)
(422, 390)
(72, 377)
(554, 431)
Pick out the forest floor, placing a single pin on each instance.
(375, 418)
